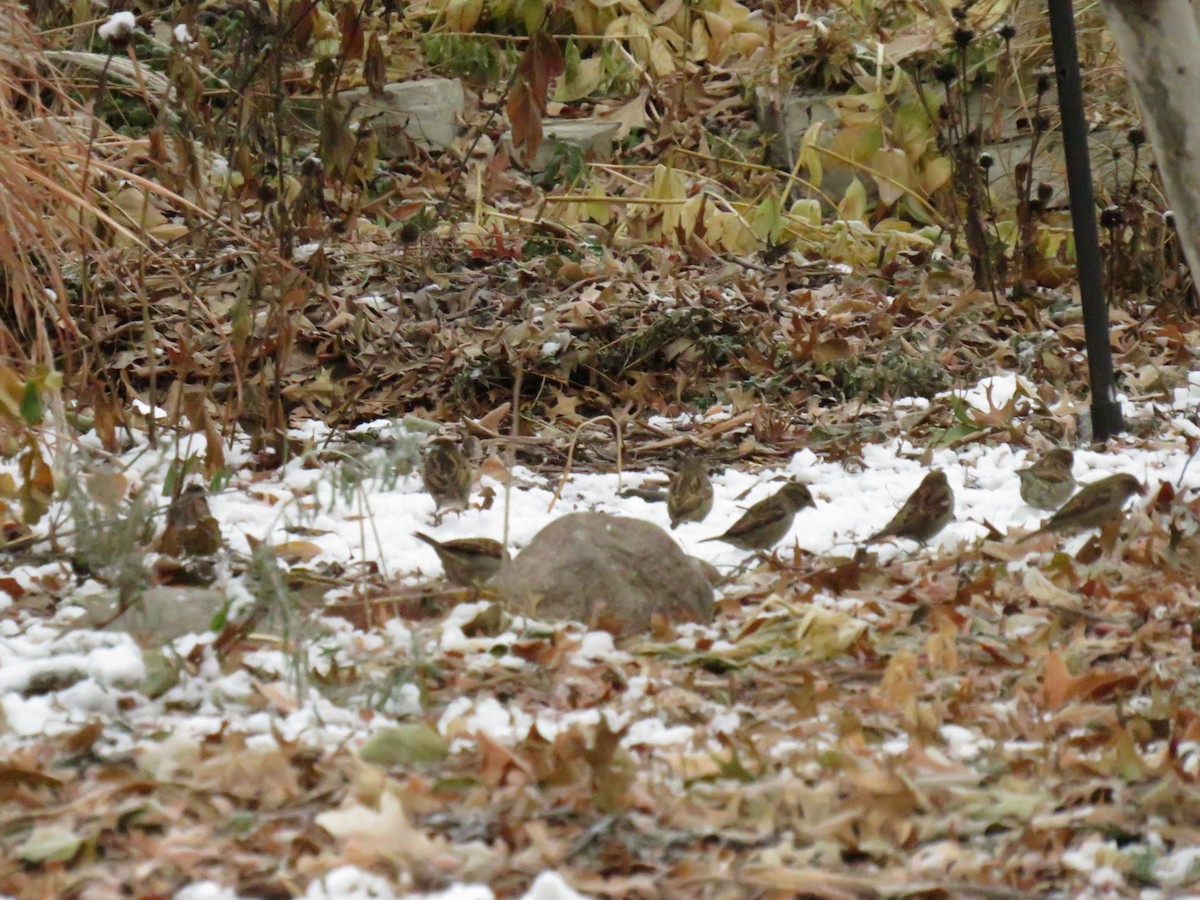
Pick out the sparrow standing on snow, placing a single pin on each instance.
(1094, 505)
(767, 521)
(191, 528)
(924, 514)
(467, 561)
(690, 496)
(1048, 483)
(447, 475)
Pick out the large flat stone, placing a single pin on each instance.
(427, 113)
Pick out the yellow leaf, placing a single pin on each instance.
(463, 15)
(662, 61)
(689, 214)
(171, 231)
(136, 209)
(581, 81)
(893, 174)
(934, 174)
(853, 207)
(12, 389)
(636, 33)
(666, 12)
(767, 220)
(807, 211)
(747, 43)
(631, 115)
(810, 152)
(857, 142)
(37, 486)
(728, 231)
(600, 212)
(912, 130)
(859, 109)
(719, 30)
(666, 184)
(698, 49)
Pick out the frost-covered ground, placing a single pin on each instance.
(371, 523)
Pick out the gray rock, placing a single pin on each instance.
(161, 614)
(426, 112)
(591, 137)
(609, 572)
(786, 120)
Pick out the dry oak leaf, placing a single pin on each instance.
(1059, 686)
(383, 833)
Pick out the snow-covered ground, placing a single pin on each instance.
(375, 524)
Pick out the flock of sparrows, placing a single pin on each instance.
(1048, 484)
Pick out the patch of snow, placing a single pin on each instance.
(655, 733)
(964, 743)
(1179, 867)
(304, 252)
(552, 886)
(994, 392)
(118, 25)
(487, 715)
(598, 645)
(895, 746)
(1098, 859)
(351, 883)
(206, 890)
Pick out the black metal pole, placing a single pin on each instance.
(1106, 413)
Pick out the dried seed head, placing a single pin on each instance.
(945, 72)
(1112, 217)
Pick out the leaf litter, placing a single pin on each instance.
(968, 718)
(903, 721)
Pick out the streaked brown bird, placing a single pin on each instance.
(766, 522)
(690, 496)
(191, 528)
(447, 475)
(467, 561)
(1094, 505)
(1048, 483)
(927, 511)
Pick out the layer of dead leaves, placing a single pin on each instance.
(937, 726)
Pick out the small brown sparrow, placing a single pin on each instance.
(927, 511)
(690, 496)
(766, 522)
(447, 475)
(1048, 483)
(191, 528)
(1094, 505)
(467, 561)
